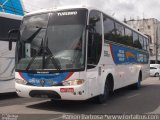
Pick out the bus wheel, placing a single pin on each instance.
(138, 84)
(103, 97)
(156, 74)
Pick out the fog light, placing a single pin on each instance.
(80, 93)
(20, 81)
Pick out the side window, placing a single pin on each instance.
(94, 38)
(109, 30)
(141, 41)
(136, 42)
(147, 40)
(153, 68)
(128, 37)
(120, 33)
(152, 61)
(145, 44)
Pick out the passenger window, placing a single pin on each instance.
(145, 44)
(120, 33)
(147, 40)
(94, 38)
(141, 41)
(109, 30)
(136, 42)
(128, 37)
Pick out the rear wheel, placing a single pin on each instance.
(138, 84)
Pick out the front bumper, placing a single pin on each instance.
(80, 92)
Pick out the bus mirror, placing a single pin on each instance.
(89, 28)
(13, 36)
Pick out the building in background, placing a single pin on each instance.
(151, 28)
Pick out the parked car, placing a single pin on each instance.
(154, 70)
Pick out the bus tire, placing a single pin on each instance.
(156, 74)
(138, 84)
(103, 97)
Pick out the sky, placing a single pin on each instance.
(120, 9)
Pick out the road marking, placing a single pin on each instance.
(133, 96)
(36, 102)
(56, 118)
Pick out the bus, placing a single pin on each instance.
(77, 53)
(7, 22)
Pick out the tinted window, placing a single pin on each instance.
(109, 31)
(153, 68)
(120, 38)
(95, 38)
(141, 41)
(65, 32)
(6, 25)
(128, 37)
(152, 61)
(136, 42)
(145, 44)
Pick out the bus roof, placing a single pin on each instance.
(10, 16)
(86, 7)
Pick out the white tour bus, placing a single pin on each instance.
(7, 81)
(77, 54)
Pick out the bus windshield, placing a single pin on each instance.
(52, 41)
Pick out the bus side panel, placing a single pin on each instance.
(131, 60)
(6, 68)
(124, 64)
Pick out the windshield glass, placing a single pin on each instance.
(54, 41)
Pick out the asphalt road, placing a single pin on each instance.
(123, 101)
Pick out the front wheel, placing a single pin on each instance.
(103, 97)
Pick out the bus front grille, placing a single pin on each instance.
(45, 94)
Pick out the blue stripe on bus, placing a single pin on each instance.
(49, 79)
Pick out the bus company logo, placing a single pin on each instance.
(67, 13)
(42, 82)
(130, 55)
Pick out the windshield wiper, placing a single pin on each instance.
(33, 35)
(30, 63)
(52, 57)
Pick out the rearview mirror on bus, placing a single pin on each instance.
(13, 36)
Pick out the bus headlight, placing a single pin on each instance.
(20, 81)
(73, 82)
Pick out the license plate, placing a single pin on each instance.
(65, 90)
